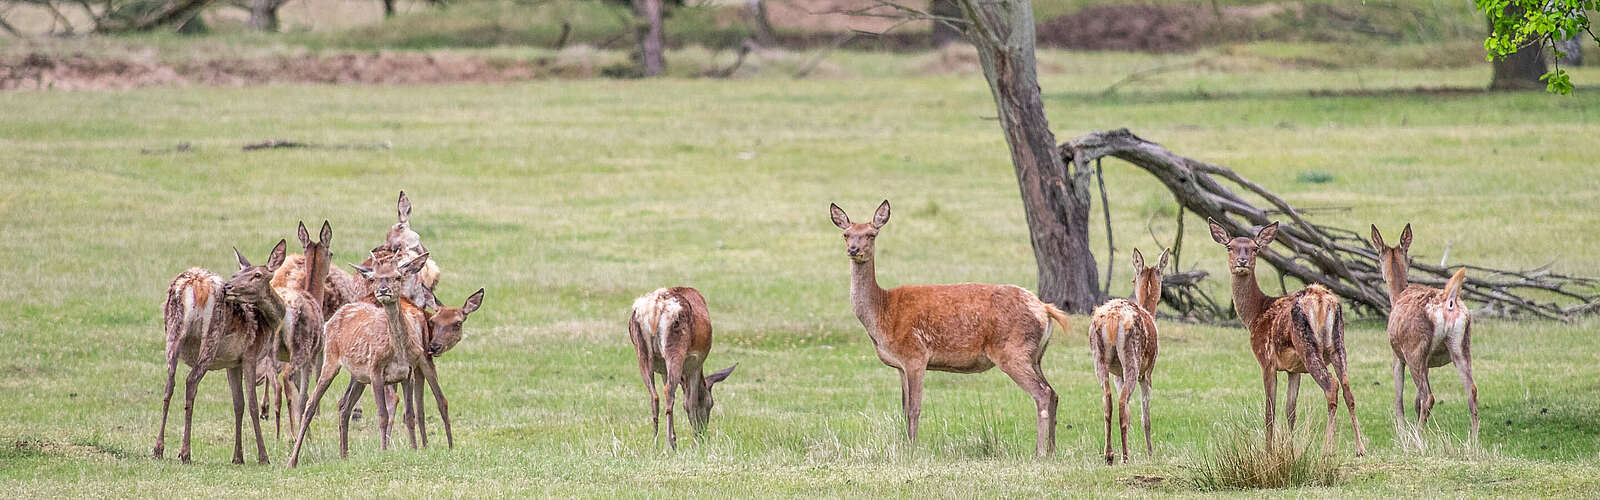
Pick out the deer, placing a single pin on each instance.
(1302, 332)
(378, 342)
(962, 328)
(406, 242)
(442, 330)
(671, 333)
(213, 324)
(300, 338)
(1428, 328)
(1122, 341)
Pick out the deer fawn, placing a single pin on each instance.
(1299, 333)
(377, 341)
(216, 325)
(1428, 328)
(671, 332)
(965, 328)
(1122, 338)
(441, 331)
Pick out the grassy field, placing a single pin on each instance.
(568, 199)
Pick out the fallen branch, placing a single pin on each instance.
(1339, 259)
(287, 144)
(182, 147)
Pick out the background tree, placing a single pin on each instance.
(647, 15)
(1520, 31)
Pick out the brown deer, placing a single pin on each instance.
(300, 338)
(216, 325)
(403, 240)
(377, 341)
(1122, 339)
(1302, 332)
(671, 332)
(441, 332)
(1428, 328)
(965, 328)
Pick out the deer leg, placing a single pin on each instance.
(1030, 378)
(438, 398)
(1102, 371)
(1330, 392)
(1289, 400)
(381, 396)
(1130, 376)
(1269, 381)
(1144, 401)
(248, 376)
(914, 375)
(347, 405)
(1399, 389)
(1463, 362)
(166, 398)
(673, 381)
(236, 389)
(1419, 375)
(1341, 369)
(190, 386)
(417, 386)
(648, 373)
(329, 370)
(411, 411)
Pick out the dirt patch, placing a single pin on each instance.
(80, 72)
(1150, 28)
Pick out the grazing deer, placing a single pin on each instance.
(671, 332)
(1428, 328)
(1302, 332)
(965, 328)
(300, 338)
(377, 341)
(441, 332)
(1122, 338)
(216, 325)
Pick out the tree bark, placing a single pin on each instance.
(1057, 206)
(173, 14)
(388, 9)
(648, 13)
(1573, 47)
(943, 32)
(264, 14)
(760, 25)
(1520, 70)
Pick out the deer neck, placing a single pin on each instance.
(271, 308)
(1247, 297)
(399, 331)
(867, 297)
(1147, 300)
(1395, 276)
(316, 268)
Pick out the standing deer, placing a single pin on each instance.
(1299, 333)
(406, 242)
(671, 332)
(1122, 339)
(965, 328)
(377, 341)
(441, 331)
(216, 325)
(1428, 328)
(300, 338)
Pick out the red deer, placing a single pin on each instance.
(377, 341)
(300, 337)
(965, 328)
(441, 332)
(1428, 328)
(1302, 332)
(405, 242)
(216, 325)
(671, 332)
(1122, 338)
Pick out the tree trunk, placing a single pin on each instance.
(1520, 70)
(760, 25)
(943, 32)
(264, 15)
(648, 22)
(172, 14)
(1057, 206)
(388, 9)
(1573, 47)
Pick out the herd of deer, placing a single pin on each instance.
(387, 327)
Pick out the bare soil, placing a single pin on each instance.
(39, 71)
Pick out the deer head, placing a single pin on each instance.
(252, 283)
(1147, 280)
(319, 248)
(444, 326)
(401, 234)
(1242, 251)
(858, 238)
(700, 414)
(386, 277)
(1393, 261)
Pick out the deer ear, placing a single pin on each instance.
(1218, 234)
(277, 255)
(404, 208)
(243, 262)
(415, 264)
(881, 217)
(366, 272)
(326, 236)
(1405, 237)
(1377, 239)
(720, 375)
(1162, 265)
(1138, 262)
(305, 236)
(472, 302)
(1267, 234)
(838, 216)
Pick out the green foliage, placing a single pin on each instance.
(1515, 24)
(1314, 177)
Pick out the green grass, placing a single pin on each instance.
(568, 199)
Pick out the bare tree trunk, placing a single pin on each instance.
(264, 14)
(648, 22)
(760, 25)
(388, 9)
(1057, 206)
(172, 14)
(943, 32)
(1573, 47)
(1522, 69)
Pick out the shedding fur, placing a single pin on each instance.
(1428, 328)
(670, 329)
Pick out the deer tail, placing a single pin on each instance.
(1452, 289)
(1060, 318)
